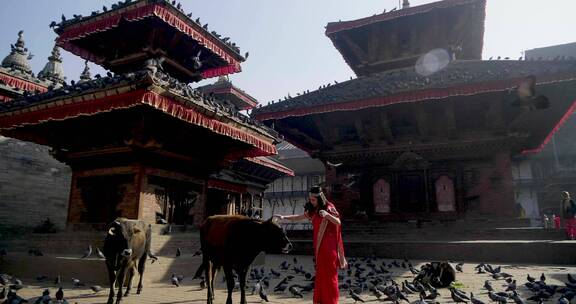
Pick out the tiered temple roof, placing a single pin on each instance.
(398, 38)
(223, 89)
(149, 28)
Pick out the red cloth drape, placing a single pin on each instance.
(326, 284)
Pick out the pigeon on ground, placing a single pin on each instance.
(60, 294)
(88, 252)
(175, 280)
(178, 252)
(263, 295)
(456, 297)
(474, 300)
(294, 290)
(99, 253)
(96, 288)
(356, 297)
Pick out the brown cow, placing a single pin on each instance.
(233, 242)
(126, 247)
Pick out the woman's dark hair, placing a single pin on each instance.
(322, 201)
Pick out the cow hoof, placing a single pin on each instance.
(138, 291)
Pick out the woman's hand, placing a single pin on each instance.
(322, 213)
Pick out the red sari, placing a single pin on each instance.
(327, 261)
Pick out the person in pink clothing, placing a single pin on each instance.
(328, 247)
(568, 209)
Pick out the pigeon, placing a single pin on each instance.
(488, 286)
(474, 300)
(456, 297)
(17, 285)
(563, 300)
(355, 296)
(60, 294)
(459, 267)
(99, 253)
(531, 279)
(496, 298)
(511, 286)
(175, 280)
(543, 278)
(178, 252)
(517, 299)
(77, 282)
(526, 95)
(263, 295)
(460, 293)
(88, 252)
(571, 279)
(96, 288)
(41, 278)
(58, 280)
(295, 291)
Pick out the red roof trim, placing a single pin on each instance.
(334, 27)
(557, 127)
(266, 162)
(406, 97)
(21, 84)
(92, 26)
(77, 106)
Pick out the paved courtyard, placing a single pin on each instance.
(162, 292)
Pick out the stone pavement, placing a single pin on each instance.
(160, 291)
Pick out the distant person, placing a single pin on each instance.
(328, 247)
(568, 209)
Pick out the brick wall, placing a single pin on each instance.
(33, 185)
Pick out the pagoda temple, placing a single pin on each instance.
(427, 129)
(139, 140)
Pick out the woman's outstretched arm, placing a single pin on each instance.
(294, 217)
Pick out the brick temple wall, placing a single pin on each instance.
(33, 185)
(126, 188)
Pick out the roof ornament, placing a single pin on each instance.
(18, 58)
(53, 70)
(85, 76)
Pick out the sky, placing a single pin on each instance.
(289, 52)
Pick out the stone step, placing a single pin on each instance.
(509, 251)
(524, 233)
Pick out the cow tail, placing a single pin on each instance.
(200, 272)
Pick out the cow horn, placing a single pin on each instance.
(111, 231)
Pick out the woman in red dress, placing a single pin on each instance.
(328, 248)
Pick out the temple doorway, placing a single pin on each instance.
(411, 192)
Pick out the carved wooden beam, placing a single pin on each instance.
(421, 121)
(362, 136)
(450, 119)
(329, 133)
(386, 129)
(495, 116)
(358, 52)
